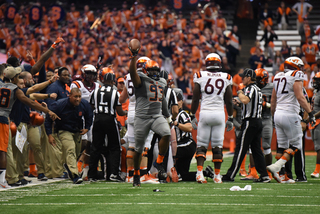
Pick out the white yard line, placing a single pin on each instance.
(147, 203)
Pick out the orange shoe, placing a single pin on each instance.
(243, 173)
(33, 174)
(152, 177)
(250, 177)
(286, 180)
(146, 180)
(174, 174)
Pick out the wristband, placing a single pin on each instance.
(54, 45)
(49, 95)
(50, 82)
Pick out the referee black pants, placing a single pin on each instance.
(250, 135)
(106, 142)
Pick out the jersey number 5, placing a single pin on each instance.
(283, 79)
(5, 97)
(209, 88)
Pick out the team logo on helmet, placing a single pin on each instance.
(213, 61)
(293, 63)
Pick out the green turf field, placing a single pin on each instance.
(101, 197)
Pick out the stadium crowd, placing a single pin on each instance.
(75, 59)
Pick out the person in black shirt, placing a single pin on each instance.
(105, 132)
(251, 129)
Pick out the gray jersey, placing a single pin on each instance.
(7, 98)
(266, 95)
(149, 96)
(315, 102)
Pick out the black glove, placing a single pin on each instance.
(312, 119)
(134, 52)
(194, 121)
(229, 123)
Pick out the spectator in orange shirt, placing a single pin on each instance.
(73, 15)
(310, 50)
(236, 80)
(256, 46)
(221, 22)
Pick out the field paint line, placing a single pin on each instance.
(34, 182)
(147, 203)
(177, 195)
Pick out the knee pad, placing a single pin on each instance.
(201, 152)
(145, 152)
(217, 155)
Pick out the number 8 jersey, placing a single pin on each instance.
(213, 86)
(283, 86)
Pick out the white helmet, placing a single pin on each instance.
(293, 62)
(141, 61)
(88, 67)
(213, 61)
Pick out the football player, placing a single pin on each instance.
(86, 86)
(148, 116)
(129, 92)
(287, 97)
(215, 89)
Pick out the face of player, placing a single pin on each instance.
(75, 98)
(153, 73)
(91, 76)
(65, 76)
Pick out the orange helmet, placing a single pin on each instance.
(152, 69)
(262, 77)
(140, 62)
(36, 119)
(13, 129)
(241, 86)
(316, 81)
(104, 71)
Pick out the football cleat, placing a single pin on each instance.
(162, 175)
(265, 179)
(116, 178)
(217, 179)
(250, 177)
(145, 179)
(243, 173)
(315, 175)
(286, 180)
(136, 181)
(77, 180)
(274, 169)
(200, 178)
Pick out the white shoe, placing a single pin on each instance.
(274, 169)
(315, 175)
(217, 179)
(4, 185)
(85, 173)
(146, 180)
(200, 178)
(286, 180)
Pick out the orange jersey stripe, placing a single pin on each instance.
(77, 84)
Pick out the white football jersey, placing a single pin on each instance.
(85, 91)
(130, 89)
(213, 86)
(283, 85)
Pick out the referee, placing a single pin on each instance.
(106, 139)
(251, 129)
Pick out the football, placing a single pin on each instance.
(134, 45)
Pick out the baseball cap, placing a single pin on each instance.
(249, 73)
(121, 79)
(11, 72)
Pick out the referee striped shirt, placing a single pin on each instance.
(171, 97)
(183, 138)
(253, 109)
(105, 100)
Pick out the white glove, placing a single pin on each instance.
(194, 121)
(229, 123)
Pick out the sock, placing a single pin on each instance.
(79, 165)
(130, 171)
(32, 167)
(2, 175)
(143, 171)
(160, 158)
(317, 170)
(243, 164)
(199, 169)
(136, 172)
(281, 161)
(217, 171)
(253, 171)
(85, 165)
